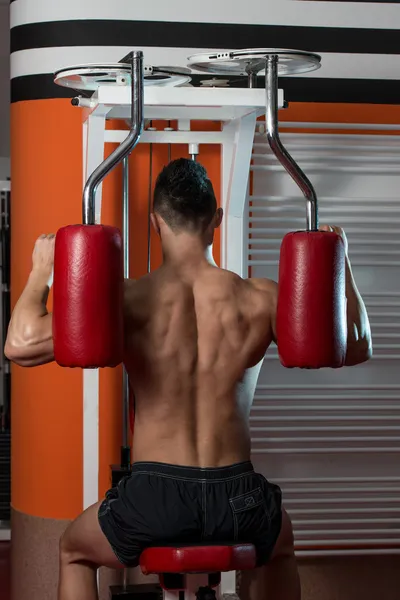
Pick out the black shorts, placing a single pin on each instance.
(161, 504)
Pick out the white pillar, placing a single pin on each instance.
(236, 157)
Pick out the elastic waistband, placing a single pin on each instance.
(155, 468)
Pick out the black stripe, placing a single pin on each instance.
(38, 87)
(297, 89)
(203, 35)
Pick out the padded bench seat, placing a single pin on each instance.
(198, 559)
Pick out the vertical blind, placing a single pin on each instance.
(331, 438)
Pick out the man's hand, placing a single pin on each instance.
(43, 255)
(339, 231)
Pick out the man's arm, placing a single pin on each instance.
(29, 340)
(270, 288)
(359, 343)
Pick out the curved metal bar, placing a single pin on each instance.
(271, 117)
(124, 149)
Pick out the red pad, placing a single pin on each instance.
(198, 559)
(88, 296)
(311, 315)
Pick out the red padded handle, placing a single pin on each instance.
(311, 314)
(88, 296)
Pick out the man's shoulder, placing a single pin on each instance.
(136, 288)
(264, 285)
(268, 286)
(265, 295)
(265, 301)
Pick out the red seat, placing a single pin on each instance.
(198, 559)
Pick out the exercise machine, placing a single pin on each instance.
(190, 571)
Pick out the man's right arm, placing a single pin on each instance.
(29, 340)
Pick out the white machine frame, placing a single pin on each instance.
(238, 110)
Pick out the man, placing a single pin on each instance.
(196, 337)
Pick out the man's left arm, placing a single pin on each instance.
(359, 343)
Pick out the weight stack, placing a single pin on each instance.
(5, 476)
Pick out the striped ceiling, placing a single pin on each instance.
(359, 41)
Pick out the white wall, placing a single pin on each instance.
(4, 87)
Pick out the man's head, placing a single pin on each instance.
(184, 200)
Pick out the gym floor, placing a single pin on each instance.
(5, 570)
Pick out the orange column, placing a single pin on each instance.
(46, 401)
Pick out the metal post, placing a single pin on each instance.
(271, 117)
(125, 450)
(169, 145)
(252, 80)
(125, 579)
(125, 214)
(194, 151)
(125, 237)
(150, 192)
(124, 149)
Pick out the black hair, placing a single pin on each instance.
(184, 196)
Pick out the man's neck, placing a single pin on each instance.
(185, 249)
(191, 259)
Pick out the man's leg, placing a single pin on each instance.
(83, 548)
(279, 579)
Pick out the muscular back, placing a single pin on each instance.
(190, 342)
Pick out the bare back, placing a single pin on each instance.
(190, 344)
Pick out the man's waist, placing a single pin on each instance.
(194, 472)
